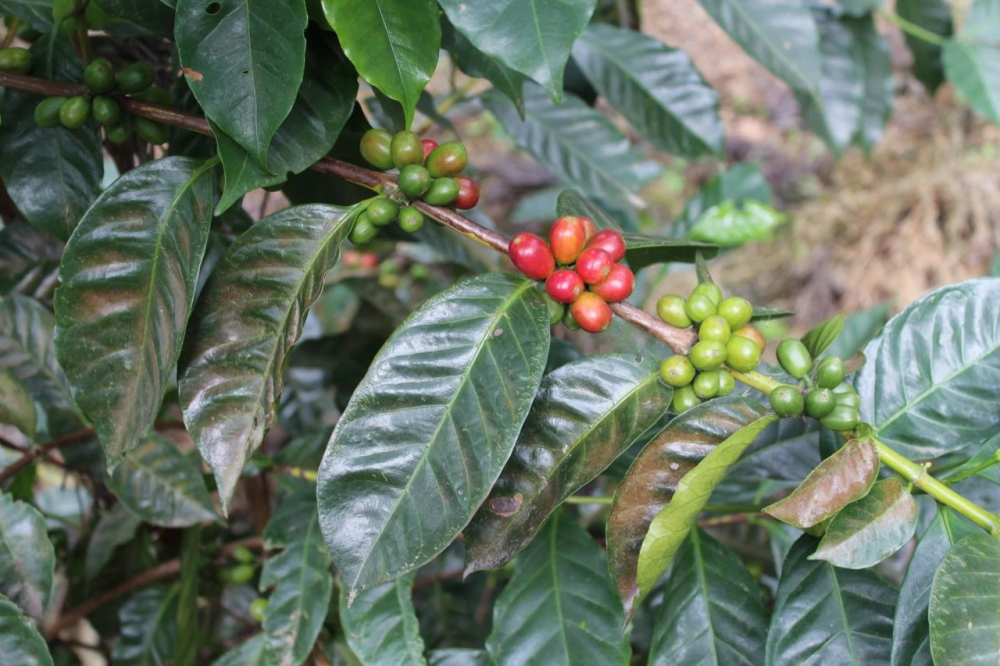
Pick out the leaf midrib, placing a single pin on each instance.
(448, 407)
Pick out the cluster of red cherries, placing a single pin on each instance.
(589, 275)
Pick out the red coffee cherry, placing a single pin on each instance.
(567, 238)
(610, 241)
(565, 285)
(618, 286)
(591, 312)
(531, 256)
(589, 227)
(429, 146)
(468, 193)
(594, 265)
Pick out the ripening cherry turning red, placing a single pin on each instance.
(567, 238)
(531, 255)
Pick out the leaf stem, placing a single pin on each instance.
(912, 29)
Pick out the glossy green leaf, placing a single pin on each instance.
(820, 337)
(560, 606)
(29, 261)
(911, 631)
(572, 140)
(51, 174)
(533, 37)
(779, 34)
(654, 477)
(585, 415)
(26, 349)
(153, 16)
(300, 575)
(262, 289)
(247, 653)
(671, 525)
(36, 13)
(245, 60)
(324, 103)
(381, 624)
(458, 657)
(870, 529)
(127, 286)
(738, 184)
(27, 560)
(712, 610)
(431, 426)
(826, 615)
(392, 43)
(940, 399)
(730, 225)
(859, 329)
(972, 60)
(114, 528)
(844, 477)
(20, 642)
(855, 90)
(161, 485)
(656, 88)
(935, 16)
(965, 603)
(474, 62)
(148, 631)
(17, 408)
(642, 250)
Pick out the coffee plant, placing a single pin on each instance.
(354, 431)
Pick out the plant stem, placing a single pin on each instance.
(589, 499)
(912, 29)
(8, 39)
(909, 470)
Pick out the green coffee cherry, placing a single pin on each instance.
(410, 219)
(382, 211)
(677, 371)
(119, 133)
(441, 192)
(841, 419)
(820, 402)
(99, 76)
(830, 372)
(153, 132)
(414, 181)
(706, 385)
(135, 78)
(364, 230)
(15, 60)
(684, 399)
(47, 111)
(244, 555)
(406, 149)
(786, 401)
(726, 382)
(556, 309)
(75, 112)
(670, 309)
(155, 95)
(238, 575)
(708, 354)
(699, 308)
(742, 354)
(106, 110)
(710, 290)
(846, 396)
(376, 148)
(448, 159)
(794, 357)
(737, 311)
(569, 321)
(257, 608)
(714, 328)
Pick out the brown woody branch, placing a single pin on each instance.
(679, 340)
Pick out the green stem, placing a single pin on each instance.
(909, 470)
(590, 499)
(912, 29)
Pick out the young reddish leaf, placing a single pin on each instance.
(842, 478)
(654, 476)
(871, 529)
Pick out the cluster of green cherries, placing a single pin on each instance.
(101, 81)
(725, 338)
(427, 172)
(822, 392)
